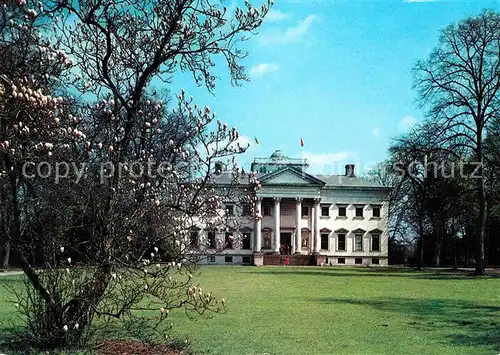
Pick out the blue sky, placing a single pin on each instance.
(336, 74)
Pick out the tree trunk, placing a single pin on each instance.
(454, 252)
(420, 256)
(6, 255)
(439, 243)
(481, 231)
(481, 222)
(438, 255)
(453, 246)
(487, 230)
(466, 261)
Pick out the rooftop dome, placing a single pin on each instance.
(278, 155)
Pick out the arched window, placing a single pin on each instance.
(194, 237)
(262, 169)
(325, 238)
(358, 239)
(246, 238)
(375, 239)
(341, 239)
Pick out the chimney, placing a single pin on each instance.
(349, 170)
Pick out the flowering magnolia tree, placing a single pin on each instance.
(103, 179)
(34, 113)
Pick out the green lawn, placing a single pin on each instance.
(342, 311)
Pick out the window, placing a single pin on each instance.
(245, 260)
(268, 211)
(376, 212)
(211, 259)
(341, 260)
(375, 261)
(193, 239)
(228, 259)
(325, 211)
(211, 239)
(229, 240)
(218, 168)
(341, 245)
(375, 243)
(246, 240)
(262, 170)
(358, 242)
(324, 241)
(305, 211)
(246, 210)
(358, 261)
(230, 210)
(342, 211)
(359, 211)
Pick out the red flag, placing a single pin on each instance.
(256, 141)
(301, 142)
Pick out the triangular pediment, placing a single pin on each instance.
(290, 176)
(359, 231)
(246, 229)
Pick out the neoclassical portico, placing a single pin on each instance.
(296, 229)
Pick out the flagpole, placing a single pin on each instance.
(302, 157)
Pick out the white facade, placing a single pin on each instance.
(337, 219)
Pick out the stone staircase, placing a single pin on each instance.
(295, 260)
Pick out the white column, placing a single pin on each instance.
(317, 238)
(298, 215)
(277, 226)
(258, 226)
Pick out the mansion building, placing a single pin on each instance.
(315, 219)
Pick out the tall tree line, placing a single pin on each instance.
(445, 171)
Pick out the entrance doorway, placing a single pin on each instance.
(286, 243)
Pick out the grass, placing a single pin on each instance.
(312, 310)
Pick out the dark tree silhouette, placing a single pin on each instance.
(460, 84)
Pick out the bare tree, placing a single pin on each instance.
(460, 82)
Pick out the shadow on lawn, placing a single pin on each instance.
(467, 323)
(441, 274)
